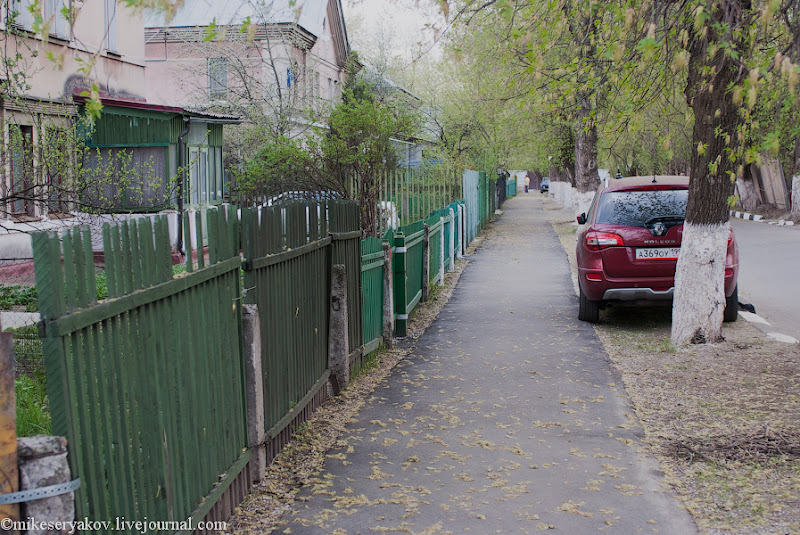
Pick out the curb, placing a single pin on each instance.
(760, 219)
(746, 215)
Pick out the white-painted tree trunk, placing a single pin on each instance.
(699, 300)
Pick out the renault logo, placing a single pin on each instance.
(659, 229)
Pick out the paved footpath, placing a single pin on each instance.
(505, 418)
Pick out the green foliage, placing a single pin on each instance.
(24, 296)
(357, 146)
(33, 408)
(349, 156)
(276, 167)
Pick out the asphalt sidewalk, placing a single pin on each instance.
(506, 417)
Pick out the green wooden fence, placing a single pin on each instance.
(511, 188)
(148, 385)
(288, 251)
(372, 276)
(457, 224)
(345, 229)
(434, 223)
(408, 276)
(417, 192)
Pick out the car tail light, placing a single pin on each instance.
(730, 237)
(729, 272)
(594, 277)
(600, 240)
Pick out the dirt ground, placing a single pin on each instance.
(722, 419)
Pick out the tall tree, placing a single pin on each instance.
(722, 53)
(728, 50)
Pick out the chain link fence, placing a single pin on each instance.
(19, 313)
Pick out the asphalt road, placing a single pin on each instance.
(769, 269)
(506, 417)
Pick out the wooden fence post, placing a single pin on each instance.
(426, 264)
(388, 296)
(9, 472)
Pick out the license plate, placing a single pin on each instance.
(658, 253)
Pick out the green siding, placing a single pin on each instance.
(215, 135)
(120, 127)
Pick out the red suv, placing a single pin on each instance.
(629, 243)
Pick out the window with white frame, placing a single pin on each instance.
(19, 14)
(54, 19)
(206, 179)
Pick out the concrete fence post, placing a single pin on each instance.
(42, 463)
(254, 377)
(401, 288)
(388, 296)
(338, 343)
(426, 264)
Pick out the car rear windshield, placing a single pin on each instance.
(638, 208)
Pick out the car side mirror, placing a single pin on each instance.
(582, 219)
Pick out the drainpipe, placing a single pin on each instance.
(181, 181)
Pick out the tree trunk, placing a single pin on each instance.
(699, 300)
(586, 176)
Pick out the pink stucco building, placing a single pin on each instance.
(286, 60)
(102, 44)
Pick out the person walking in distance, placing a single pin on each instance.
(527, 183)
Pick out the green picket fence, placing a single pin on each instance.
(409, 294)
(457, 224)
(345, 230)
(417, 192)
(434, 223)
(148, 385)
(511, 188)
(372, 276)
(483, 200)
(288, 251)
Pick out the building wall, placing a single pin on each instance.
(118, 72)
(55, 69)
(178, 71)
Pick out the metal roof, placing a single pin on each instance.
(309, 14)
(134, 104)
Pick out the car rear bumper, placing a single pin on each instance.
(637, 294)
(644, 289)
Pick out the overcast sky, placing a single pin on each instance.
(402, 22)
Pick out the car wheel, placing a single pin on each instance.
(731, 306)
(588, 310)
